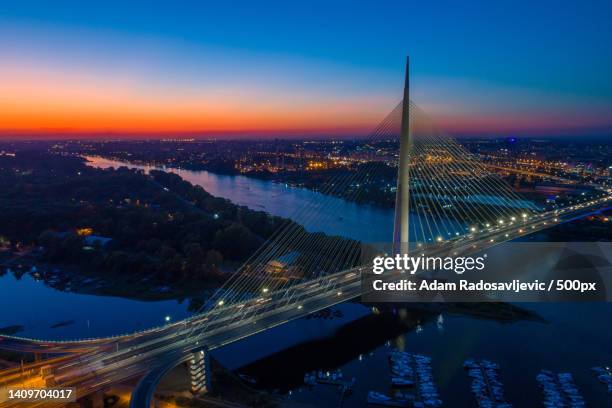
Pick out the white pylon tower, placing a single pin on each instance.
(401, 228)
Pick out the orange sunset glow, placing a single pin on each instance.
(34, 101)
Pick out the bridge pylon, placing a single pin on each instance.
(401, 227)
(199, 372)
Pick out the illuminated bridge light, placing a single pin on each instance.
(300, 307)
(265, 290)
(473, 229)
(339, 293)
(501, 221)
(513, 218)
(221, 303)
(439, 239)
(167, 318)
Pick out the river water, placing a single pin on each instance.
(37, 307)
(571, 337)
(315, 211)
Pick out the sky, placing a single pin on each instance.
(331, 68)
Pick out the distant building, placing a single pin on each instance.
(285, 266)
(83, 232)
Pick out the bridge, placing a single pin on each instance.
(445, 199)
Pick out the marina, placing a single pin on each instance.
(414, 370)
(486, 387)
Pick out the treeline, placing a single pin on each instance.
(160, 226)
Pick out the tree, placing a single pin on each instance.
(213, 260)
(235, 241)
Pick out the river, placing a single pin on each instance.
(570, 337)
(315, 211)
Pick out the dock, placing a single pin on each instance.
(486, 387)
(559, 390)
(414, 370)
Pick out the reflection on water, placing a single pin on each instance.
(572, 337)
(37, 307)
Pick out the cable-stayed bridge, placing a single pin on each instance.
(446, 199)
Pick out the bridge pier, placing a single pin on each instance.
(199, 371)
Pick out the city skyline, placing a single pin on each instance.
(290, 70)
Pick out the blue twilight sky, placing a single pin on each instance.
(478, 67)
